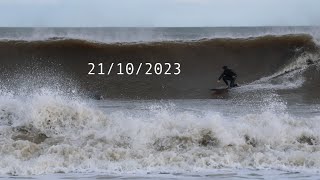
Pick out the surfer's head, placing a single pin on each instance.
(224, 67)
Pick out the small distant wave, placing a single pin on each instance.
(134, 35)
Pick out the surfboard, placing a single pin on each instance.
(219, 90)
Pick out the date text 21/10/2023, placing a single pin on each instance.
(135, 68)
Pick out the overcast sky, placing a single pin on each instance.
(155, 13)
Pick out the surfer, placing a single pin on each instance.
(228, 75)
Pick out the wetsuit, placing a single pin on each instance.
(229, 75)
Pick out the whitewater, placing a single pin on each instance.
(47, 133)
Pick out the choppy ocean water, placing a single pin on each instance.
(154, 127)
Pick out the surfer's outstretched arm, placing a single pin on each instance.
(220, 76)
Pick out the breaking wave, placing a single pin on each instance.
(271, 59)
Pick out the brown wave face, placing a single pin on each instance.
(201, 62)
